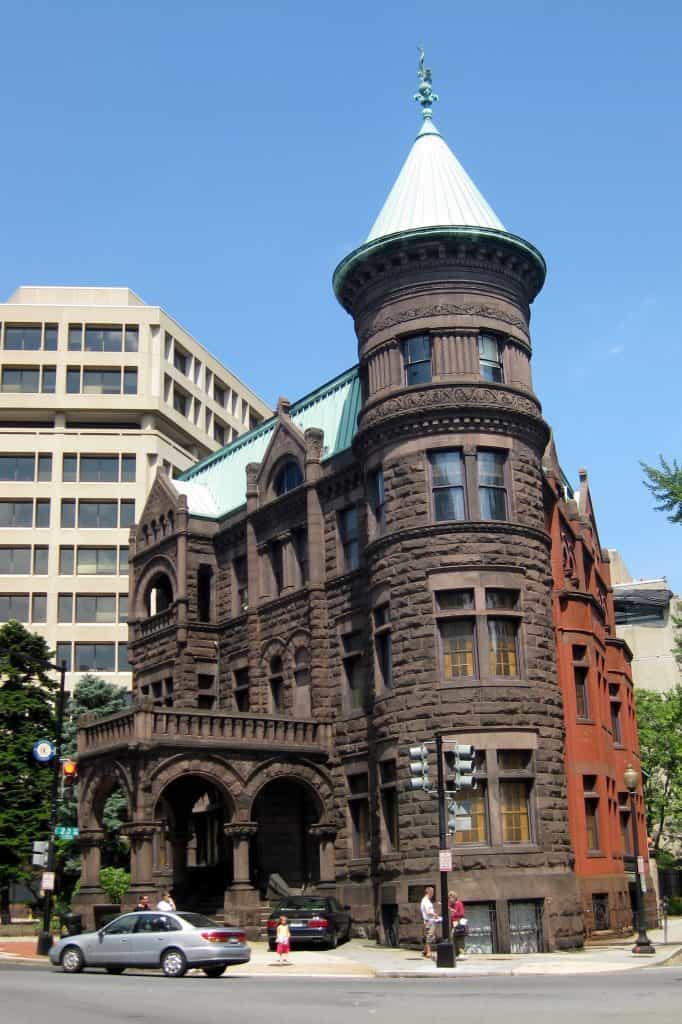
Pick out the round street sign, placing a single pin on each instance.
(43, 751)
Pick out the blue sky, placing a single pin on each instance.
(221, 158)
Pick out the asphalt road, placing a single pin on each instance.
(36, 994)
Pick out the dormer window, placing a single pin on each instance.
(490, 357)
(289, 477)
(417, 359)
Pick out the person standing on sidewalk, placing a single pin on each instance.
(283, 936)
(457, 925)
(429, 920)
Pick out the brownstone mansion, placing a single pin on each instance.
(369, 567)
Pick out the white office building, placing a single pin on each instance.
(97, 390)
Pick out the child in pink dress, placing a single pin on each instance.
(283, 940)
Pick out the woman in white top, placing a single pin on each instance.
(166, 902)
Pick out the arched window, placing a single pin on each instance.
(289, 477)
(277, 684)
(159, 594)
(302, 704)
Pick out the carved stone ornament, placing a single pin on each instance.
(568, 557)
(455, 396)
(324, 832)
(240, 829)
(440, 309)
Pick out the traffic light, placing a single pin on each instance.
(460, 769)
(39, 854)
(69, 772)
(419, 767)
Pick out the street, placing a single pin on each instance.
(30, 992)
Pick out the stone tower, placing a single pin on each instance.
(450, 440)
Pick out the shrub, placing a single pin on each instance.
(115, 882)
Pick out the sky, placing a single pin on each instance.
(221, 158)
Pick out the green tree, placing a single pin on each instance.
(666, 486)
(115, 882)
(91, 695)
(26, 715)
(659, 723)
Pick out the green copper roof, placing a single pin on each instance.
(217, 485)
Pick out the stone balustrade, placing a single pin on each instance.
(154, 624)
(168, 726)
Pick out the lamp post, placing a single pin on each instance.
(643, 942)
(45, 936)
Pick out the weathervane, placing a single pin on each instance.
(425, 94)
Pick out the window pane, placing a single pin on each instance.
(45, 467)
(65, 608)
(75, 338)
(471, 810)
(70, 468)
(15, 561)
(103, 339)
(132, 339)
(514, 812)
(68, 513)
(99, 468)
(16, 513)
(127, 513)
(95, 608)
(66, 561)
(40, 560)
(457, 637)
(39, 609)
(21, 381)
(49, 380)
(493, 503)
(123, 664)
(43, 513)
(502, 599)
(50, 342)
(64, 655)
(95, 657)
(14, 606)
(73, 381)
(453, 600)
(130, 382)
(491, 468)
(17, 467)
(502, 637)
(122, 607)
(123, 560)
(23, 336)
(128, 469)
(97, 514)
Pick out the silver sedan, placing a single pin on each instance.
(151, 938)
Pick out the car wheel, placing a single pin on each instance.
(215, 972)
(72, 960)
(173, 963)
(115, 970)
(333, 940)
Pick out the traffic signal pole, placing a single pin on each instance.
(45, 937)
(445, 951)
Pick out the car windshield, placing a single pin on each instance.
(198, 920)
(297, 903)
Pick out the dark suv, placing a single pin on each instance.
(311, 919)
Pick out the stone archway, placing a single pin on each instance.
(192, 853)
(285, 810)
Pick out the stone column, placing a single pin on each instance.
(326, 836)
(90, 841)
(141, 834)
(241, 833)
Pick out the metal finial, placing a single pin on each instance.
(425, 94)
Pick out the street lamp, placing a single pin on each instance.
(643, 942)
(45, 936)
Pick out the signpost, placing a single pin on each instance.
(66, 831)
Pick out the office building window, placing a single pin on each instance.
(123, 663)
(123, 561)
(49, 381)
(43, 513)
(492, 489)
(97, 515)
(350, 539)
(15, 561)
(96, 561)
(95, 657)
(417, 359)
(101, 382)
(39, 608)
(66, 560)
(40, 560)
(20, 380)
(219, 432)
(95, 608)
(50, 338)
(68, 517)
(219, 394)
(16, 513)
(128, 469)
(130, 381)
(64, 655)
(181, 401)
(65, 608)
(14, 606)
(103, 339)
(358, 807)
(132, 338)
(73, 380)
(19, 468)
(447, 483)
(127, 513)
(44, 468)
(99, 468)
(75, 343)
(23, 337)
(69, 468)
(490, 357)
(122, 607)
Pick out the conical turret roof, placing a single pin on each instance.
(433, 190)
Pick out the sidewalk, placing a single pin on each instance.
(362, 958)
